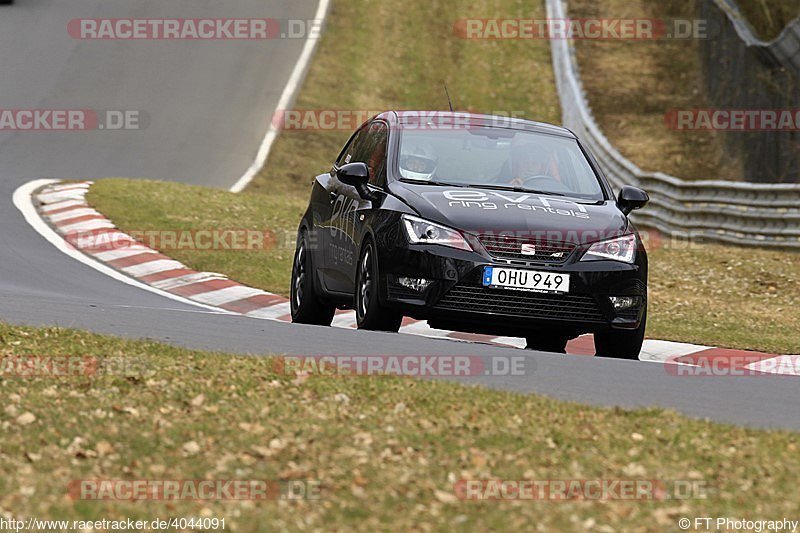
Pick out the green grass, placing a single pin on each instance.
(726, 296)
(707, 294)
(386, 450)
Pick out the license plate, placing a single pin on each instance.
(525, 280)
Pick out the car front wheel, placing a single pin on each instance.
(307, 306)
(369, 312)
(621, 344)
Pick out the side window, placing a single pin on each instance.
(369, 146)
(348, 154)
(372, 151)
(377, 161)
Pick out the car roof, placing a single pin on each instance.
(475, 119)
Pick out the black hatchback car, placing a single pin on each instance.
(475, 223)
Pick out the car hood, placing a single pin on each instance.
(484, 210)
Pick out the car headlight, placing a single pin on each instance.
(421, 231)
(617, 249)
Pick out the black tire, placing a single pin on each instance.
(547, 342)
(369, 312)
(621, 344)
(307, 306)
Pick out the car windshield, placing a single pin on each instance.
(499, 158)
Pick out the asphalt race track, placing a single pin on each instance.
(209, 104)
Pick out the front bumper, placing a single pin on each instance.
(456, 299)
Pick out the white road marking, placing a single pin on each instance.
(424, 330)
(344, 320)
(272, 312)
(187, 279)
(87, 225)
(124, 251)
(516, 342)
(73, 194)
(64, 186)
(61, 205)
(656, 351)
(152, 267)
(227, 295)
(783, 365)
(72, 213)
(287, 96)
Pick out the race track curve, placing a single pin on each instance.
(209, 105)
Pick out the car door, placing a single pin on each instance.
(350, 212)
(336, 214)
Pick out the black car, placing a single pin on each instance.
(475, 223)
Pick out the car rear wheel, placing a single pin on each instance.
(307, 306)
(369, 312)
(621, 344)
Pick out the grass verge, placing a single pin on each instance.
(386, 450)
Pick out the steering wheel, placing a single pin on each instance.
(552, 185)
(539, 177)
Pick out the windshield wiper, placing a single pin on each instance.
(430, 182)
(515, 189)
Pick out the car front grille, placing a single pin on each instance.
(510, 247)
(478, 299)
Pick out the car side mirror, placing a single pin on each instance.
(631, 198)
(356, 175)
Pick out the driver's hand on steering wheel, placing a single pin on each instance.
(520, 181)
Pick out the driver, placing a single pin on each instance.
(529, 160)
(418, 161)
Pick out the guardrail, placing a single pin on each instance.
(752, 214)
(785, 48)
